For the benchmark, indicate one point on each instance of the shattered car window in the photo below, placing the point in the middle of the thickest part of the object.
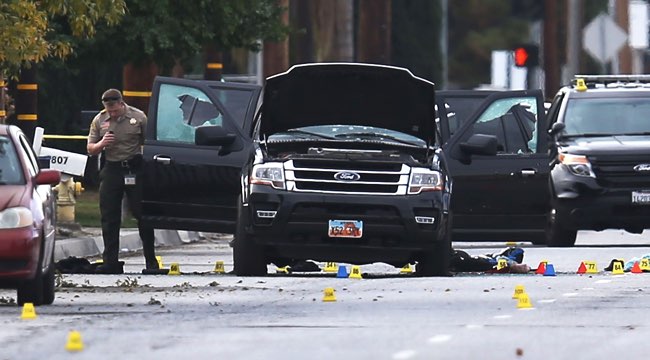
(180, 110)
(11, 172)
(513, 122)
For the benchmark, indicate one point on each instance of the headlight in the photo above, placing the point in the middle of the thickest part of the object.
(16, 217)
(424, 180)
(268, 174)
(577, 164)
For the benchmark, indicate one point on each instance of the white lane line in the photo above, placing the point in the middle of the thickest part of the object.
(570, 294)
(588, 288)
(503, 316)
(440, 339)
(404, 354)
(603, 281)
(475, 326)
(547, 301)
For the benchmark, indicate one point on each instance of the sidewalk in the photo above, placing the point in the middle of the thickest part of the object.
(85, 242)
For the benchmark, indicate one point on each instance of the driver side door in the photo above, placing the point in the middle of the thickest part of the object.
(189, 186)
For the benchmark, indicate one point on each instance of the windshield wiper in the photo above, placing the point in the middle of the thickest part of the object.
(380, 136)
(298, 131)
(634, 133)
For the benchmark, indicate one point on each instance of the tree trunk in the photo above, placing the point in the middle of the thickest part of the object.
(332, 30)
(374, 34)
(276, 54)
(138, 82)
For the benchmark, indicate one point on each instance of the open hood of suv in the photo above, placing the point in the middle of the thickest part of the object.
(349, 94)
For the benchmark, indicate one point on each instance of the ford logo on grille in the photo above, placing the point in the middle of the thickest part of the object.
(347, 176)
(642, 168)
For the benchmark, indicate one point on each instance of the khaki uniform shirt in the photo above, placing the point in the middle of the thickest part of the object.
(129, 133)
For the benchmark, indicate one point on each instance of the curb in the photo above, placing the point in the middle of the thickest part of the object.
(86, 246)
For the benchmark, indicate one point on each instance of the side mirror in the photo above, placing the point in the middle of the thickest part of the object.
(213, 136)
(480, 144)
(44, 161)
(48, 177)
(556, 128)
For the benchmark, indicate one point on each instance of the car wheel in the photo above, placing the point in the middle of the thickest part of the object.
(436, 262)
(248, 257)
(48, 284)
(557, 234)
(31, 291)
(538, 240)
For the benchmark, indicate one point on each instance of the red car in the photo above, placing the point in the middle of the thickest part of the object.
(27, 220)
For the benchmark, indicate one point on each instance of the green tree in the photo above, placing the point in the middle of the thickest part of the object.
(476, 27)
(164, 31)
(35, 30)
(167, 31)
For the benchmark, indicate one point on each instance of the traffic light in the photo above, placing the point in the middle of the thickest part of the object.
(526, 55)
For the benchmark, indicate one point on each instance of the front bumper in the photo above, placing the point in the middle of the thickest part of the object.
(19, 252)
(299, 227)
(582, 204)
(609, 210)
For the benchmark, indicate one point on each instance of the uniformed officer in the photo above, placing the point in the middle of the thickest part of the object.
(118, 131)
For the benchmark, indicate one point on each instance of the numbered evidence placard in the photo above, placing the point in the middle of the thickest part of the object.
(65, 161)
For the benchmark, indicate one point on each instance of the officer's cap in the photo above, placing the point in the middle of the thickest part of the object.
(110, 96)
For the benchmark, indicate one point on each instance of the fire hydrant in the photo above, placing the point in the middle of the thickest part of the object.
(66, 191)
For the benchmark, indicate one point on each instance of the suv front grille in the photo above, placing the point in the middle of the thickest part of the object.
(376, 178)
(618, 171)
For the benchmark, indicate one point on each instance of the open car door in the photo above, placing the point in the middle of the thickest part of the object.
(189, 186)
(454, 108)
(498, 160)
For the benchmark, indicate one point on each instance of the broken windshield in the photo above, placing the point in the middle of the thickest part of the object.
(348, 133)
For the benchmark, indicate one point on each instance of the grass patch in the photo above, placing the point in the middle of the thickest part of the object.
(87, 211)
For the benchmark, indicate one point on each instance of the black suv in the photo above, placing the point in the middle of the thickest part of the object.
(346, 163)
(601, 156)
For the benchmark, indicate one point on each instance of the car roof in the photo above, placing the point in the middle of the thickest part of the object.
(599, 86)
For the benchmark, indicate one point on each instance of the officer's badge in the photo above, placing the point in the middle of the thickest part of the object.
(133, 121)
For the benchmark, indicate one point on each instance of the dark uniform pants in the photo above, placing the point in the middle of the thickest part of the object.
(111, 191)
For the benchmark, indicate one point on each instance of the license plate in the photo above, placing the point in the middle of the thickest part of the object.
(642, 198)
(345, 228)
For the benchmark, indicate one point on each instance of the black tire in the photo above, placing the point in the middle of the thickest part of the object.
(248, 257)
(539, 240)
(558, 234)
(31, 291)
(48, 284)
(436, 262)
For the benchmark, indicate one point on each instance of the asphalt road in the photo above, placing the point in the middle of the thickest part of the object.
(387, 315)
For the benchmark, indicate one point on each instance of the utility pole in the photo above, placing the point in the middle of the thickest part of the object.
(374, 35)
(3, 103)
(622, 17)
(444, 44)
(551, 63)
(27, 100)
(574, 43)
(213, 60)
